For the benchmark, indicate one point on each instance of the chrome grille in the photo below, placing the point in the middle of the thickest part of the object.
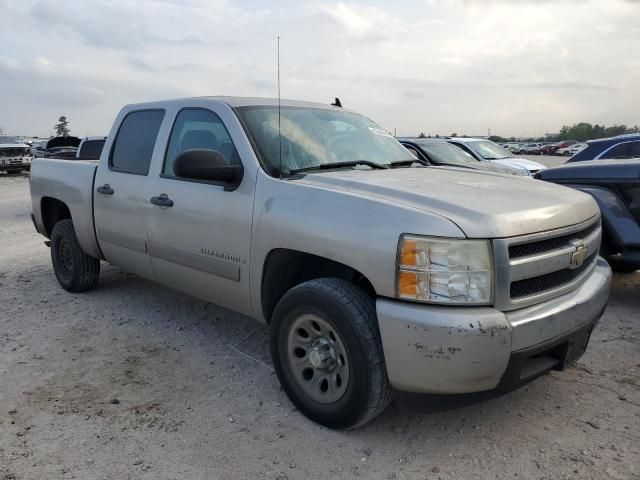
(542, 246)
(531, 286)
(13, 152)
(533, 268)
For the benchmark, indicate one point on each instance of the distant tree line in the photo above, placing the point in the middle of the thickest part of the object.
(585, 131)
(581, 132)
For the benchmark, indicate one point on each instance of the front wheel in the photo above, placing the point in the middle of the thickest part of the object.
(327, 352)
(75, 270)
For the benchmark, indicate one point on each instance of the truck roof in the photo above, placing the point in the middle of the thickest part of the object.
(616, 139)
(243, 102)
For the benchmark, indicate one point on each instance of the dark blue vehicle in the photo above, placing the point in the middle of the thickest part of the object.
(622, 146)
(615, 186)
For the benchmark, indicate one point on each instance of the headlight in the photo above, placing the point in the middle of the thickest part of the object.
(438, 270)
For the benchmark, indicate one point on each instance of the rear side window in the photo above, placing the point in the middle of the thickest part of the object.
(196, 128)
(133, 147)
(91, 149)
(620, 150)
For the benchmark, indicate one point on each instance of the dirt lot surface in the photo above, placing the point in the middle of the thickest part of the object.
(135, 381)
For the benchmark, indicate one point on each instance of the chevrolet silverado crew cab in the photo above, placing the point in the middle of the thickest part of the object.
(374, 272)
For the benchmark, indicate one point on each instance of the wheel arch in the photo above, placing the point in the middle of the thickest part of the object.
(285, 268)
(53, 210)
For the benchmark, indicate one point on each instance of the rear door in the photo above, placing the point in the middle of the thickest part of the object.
(199, 240)
(121, 201)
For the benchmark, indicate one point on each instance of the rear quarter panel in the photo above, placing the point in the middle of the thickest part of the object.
(71, 182)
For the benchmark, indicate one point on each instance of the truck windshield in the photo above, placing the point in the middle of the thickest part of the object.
(489, 150)
(312, 137)
(446, 154)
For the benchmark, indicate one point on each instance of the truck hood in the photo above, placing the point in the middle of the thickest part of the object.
(498, 167)
(594, 171)
(520, 162)
(482, 205)
(13, 145)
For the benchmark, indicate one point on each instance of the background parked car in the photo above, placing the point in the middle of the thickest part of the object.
(564, 151)
(531, 148)
(486, 150)
(615, 186)
(437, 151)
(62, 147)
(578, 147)
(551, 148)
(14, 156)
(513, 147)
(622, 146)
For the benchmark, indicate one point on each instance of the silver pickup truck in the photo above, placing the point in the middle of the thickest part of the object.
(373, 271)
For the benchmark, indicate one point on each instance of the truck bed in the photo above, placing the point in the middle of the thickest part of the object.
(70, 182)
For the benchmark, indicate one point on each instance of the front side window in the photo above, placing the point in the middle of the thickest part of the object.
(635, 150)
(133, 147)
(307, 137)
(198, 129)
(619, 151)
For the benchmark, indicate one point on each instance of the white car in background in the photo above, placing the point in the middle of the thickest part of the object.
(513, 147)
(15, 156)
(486, 150)
(573, 149)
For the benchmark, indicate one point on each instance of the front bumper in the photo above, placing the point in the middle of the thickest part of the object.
(15, 162)
(436, 349)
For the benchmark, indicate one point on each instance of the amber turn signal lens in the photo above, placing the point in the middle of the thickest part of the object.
(408, 252)
(408, 284)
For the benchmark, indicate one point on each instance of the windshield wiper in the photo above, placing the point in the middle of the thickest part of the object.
(405, 163)
(329, 166)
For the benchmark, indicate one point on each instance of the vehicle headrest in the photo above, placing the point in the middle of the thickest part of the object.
(199, 139)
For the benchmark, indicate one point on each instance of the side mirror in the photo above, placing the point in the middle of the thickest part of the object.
(208, 165)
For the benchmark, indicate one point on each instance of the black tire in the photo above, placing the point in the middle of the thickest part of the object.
(75, 270)
(609, 253)
(351, 313)
(620, 267)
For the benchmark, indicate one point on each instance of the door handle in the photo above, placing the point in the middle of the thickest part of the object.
(162, 201)
(105, 189)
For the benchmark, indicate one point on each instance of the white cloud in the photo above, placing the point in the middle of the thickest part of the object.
(432, 66)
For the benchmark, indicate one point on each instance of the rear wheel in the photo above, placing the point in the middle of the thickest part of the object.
(327, 352)
(75, 270)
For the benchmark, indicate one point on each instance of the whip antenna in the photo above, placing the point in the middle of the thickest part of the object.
(279, 134)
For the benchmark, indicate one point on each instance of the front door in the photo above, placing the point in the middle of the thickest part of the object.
(199, 234)
(121, 203)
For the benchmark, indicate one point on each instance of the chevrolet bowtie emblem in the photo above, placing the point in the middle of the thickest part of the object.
(579, 253)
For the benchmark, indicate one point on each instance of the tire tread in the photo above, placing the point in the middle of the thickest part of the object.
(361, 310)
(86, 277)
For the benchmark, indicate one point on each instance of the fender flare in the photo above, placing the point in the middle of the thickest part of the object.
(617, 221)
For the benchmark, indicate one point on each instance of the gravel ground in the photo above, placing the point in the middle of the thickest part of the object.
(134, 381)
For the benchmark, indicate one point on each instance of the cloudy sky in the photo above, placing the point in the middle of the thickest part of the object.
(437, 66)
